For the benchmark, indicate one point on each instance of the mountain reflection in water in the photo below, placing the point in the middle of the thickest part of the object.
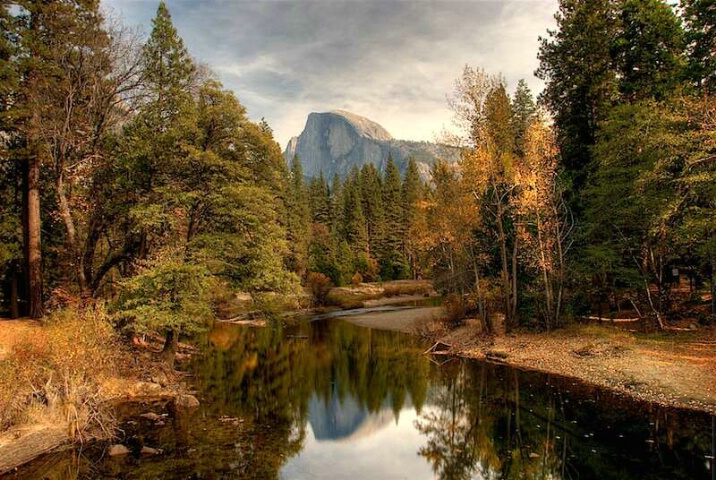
(327, 399)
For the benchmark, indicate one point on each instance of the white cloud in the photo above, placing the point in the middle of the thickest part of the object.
(393, 62)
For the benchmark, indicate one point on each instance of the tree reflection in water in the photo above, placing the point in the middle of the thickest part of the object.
(261, 388)
(488, 421)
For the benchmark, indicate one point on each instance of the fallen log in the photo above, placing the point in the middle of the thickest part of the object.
(614, 320)
(21, 445)
(439, 348)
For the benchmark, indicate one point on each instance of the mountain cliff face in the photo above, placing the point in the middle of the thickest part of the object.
(334, 142)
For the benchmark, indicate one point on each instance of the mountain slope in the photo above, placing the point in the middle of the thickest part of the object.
(335, 142)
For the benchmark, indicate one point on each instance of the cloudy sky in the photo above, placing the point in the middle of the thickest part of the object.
(393, 62)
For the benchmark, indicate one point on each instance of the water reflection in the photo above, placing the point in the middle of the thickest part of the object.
(327, 399)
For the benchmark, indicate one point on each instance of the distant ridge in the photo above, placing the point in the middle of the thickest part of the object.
(336, 141)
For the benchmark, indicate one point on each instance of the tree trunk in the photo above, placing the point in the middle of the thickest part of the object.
(171, 344)
(75, 257)
(513, 306)
(506, 297)
(14, 305)
(33, 248)
(713, 288)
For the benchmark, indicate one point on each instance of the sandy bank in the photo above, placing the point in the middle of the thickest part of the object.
(675, 369)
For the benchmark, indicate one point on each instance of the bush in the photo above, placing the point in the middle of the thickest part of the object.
(318, 286)
(455, 310)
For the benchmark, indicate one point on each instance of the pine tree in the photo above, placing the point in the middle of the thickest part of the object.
(336, 206)
(700, 38)
(523, 112)
(354, 225)
(393, 264)
(372, 201)
(649, 50)
(412, 196)
(298, 220)
(48, 71)
(577, 63)
(319, 200)
(168, 70)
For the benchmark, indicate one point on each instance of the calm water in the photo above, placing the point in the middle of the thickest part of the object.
(329, 400)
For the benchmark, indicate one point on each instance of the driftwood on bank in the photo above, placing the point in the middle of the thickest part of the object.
(614, 320)
(21, 445)
(440, 348)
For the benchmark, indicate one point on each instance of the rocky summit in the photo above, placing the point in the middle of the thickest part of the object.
(335, 142)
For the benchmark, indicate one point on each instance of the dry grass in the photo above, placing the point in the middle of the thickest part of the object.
(53, 374)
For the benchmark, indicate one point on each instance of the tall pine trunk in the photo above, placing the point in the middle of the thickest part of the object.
(33, 245)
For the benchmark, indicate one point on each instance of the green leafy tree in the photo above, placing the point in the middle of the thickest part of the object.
(640, 155)
(169, 294)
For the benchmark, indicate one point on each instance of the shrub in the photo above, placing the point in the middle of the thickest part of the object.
(455, 310)
(53, 373)
(318, 286)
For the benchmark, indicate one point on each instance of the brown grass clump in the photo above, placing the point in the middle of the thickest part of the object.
(53, 374)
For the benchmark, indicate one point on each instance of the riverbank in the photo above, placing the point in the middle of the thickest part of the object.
(675, 369)
(60, 381)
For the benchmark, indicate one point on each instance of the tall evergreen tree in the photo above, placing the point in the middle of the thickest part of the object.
(354, 225)
(523, 112)
(392, 262)
(412, 196)
(298, 220)
(336, 205)
(649, 50)
(53, 109)
(372, 201)
(578, 65)
(319, 200)
(700, 38)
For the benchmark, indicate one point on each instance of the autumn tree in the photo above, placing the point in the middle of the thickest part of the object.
(541, 208)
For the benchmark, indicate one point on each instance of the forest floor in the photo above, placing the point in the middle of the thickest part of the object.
(675, 369)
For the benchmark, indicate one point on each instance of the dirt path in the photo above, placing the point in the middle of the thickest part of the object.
(675, 369)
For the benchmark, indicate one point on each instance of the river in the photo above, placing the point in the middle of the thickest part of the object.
(326, 399)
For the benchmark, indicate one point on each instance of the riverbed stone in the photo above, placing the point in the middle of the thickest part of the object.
(182, 402)
(151, 416)
(117, 450)
(150, 451)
